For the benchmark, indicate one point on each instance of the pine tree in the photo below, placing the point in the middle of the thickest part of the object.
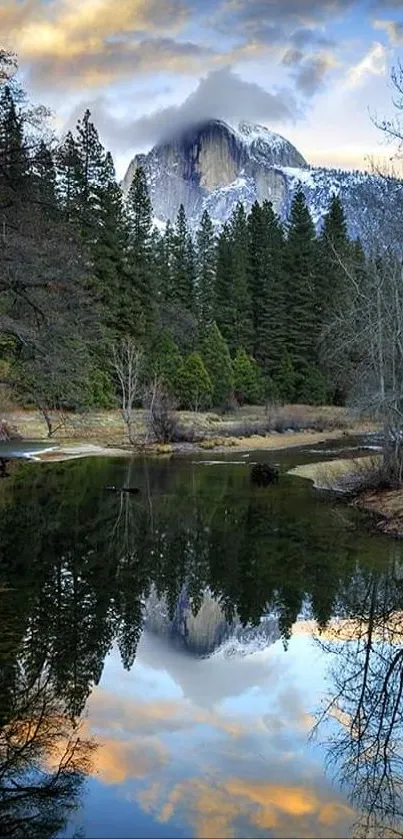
(232, 309)
(166, 363)
(165, 267)
(141, 258)
(196, 386)
(14, 158)
(69, 178)
(302, 319)
(112, 277)
(205, 273)
(248, 381)
(44, 180)
(242, 331)
(285, 380)
(183, 265)
(266, 279)
(91, 155)
(333, 260)
(224, 305)
(217, 360)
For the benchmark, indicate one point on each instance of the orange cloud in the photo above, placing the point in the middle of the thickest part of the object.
(116, 761)
(94, 42)
(214, 809)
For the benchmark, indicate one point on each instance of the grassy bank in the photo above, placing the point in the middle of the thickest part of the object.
(251, 427)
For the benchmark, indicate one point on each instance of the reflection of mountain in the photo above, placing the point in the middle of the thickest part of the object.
(208, 630)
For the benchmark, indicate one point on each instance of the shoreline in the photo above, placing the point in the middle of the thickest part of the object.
(271, 442)
(385, 506)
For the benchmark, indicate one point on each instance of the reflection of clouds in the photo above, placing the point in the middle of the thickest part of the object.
(210, 680)
(216, 810)
(115, 761)
(234, 763)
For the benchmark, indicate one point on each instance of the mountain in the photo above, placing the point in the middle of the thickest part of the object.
(212, 166)
(209, 630)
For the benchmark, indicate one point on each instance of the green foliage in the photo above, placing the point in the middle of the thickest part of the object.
(100, 390)
(311, 386)
(140, 297)
(232, 306)
(206, 270)
(267, 286)
(166, 363)
(286, 380)
(196, 386)
(217, 360)
(249, 386)
(300, 261)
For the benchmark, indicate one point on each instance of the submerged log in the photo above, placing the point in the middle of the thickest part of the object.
(262, 474)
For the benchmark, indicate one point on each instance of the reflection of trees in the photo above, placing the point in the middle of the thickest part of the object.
(43, 761)
(364, 715)
(83, 561)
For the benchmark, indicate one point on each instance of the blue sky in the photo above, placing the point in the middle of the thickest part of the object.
(314, 70)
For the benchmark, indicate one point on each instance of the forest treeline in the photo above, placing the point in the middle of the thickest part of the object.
(221, 317)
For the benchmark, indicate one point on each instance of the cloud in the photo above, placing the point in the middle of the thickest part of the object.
(93, 42)
(218, 809)
(222, 94)
(267, 20)
(311, 72)
(374, 63)
(393, 29)
(292, 56)
(115, 61)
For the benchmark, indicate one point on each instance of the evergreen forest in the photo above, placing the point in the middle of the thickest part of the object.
(221, 317)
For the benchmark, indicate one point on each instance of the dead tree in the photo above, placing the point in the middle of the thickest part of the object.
(127, 363)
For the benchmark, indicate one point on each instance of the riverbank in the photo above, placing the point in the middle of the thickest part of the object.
(243, 430)
(384, 505)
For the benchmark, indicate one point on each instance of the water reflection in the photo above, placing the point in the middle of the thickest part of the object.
(365, 746)
(180, 621)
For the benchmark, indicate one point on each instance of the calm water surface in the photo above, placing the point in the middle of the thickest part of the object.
(206, 658)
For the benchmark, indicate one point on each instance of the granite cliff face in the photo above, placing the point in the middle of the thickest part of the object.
(213, 166)
(210, 164)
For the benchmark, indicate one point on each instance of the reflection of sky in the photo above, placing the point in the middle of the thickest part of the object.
(213, 747)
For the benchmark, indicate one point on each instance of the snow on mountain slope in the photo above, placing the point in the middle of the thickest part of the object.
(213, 166)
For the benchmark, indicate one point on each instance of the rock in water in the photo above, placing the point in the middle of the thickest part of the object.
(264, 475)
(213, 166)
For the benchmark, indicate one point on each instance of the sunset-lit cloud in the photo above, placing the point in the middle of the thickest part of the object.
(268, 61)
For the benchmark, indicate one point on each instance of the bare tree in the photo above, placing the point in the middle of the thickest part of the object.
(127, 362)
(366, 335)
(162, 421)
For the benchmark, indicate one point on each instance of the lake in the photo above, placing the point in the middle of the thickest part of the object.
(203, 658)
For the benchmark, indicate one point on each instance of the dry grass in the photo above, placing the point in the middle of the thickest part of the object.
(107, 428)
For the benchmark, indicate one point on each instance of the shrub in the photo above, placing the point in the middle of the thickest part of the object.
(162, 420)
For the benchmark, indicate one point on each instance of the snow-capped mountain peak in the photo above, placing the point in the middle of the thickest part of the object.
(213, 166)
